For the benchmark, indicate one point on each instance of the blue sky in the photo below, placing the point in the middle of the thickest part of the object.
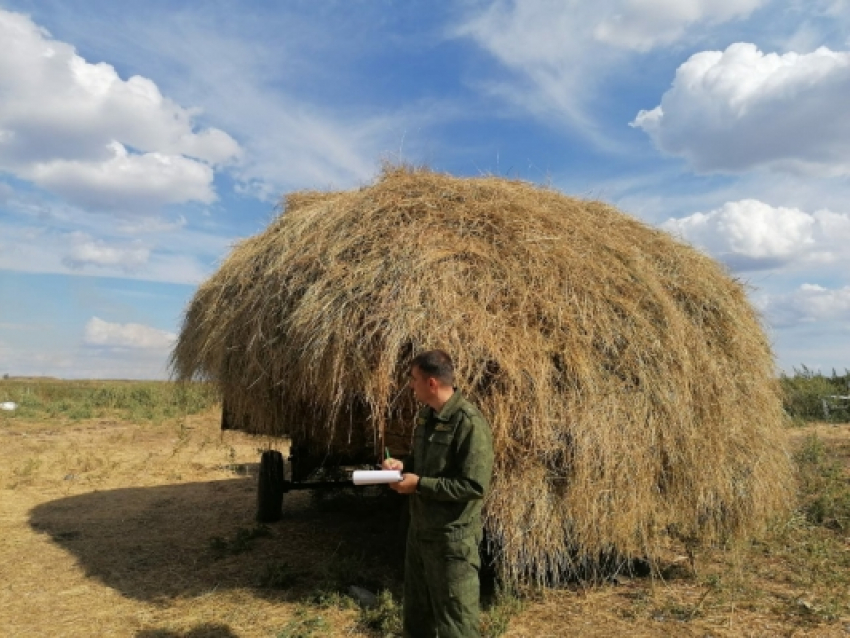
(138, 141)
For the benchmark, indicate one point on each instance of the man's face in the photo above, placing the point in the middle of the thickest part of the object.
(420, 385)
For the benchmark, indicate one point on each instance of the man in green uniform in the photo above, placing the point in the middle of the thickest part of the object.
(446, 478)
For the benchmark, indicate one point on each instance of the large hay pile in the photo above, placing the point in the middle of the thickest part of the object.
(629, 385)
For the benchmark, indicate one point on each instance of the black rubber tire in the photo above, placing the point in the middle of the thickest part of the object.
(270, 487)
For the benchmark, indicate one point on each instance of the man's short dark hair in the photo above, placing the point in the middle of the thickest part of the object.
(437, 364)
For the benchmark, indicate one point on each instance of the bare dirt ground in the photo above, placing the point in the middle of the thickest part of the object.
(114, 528)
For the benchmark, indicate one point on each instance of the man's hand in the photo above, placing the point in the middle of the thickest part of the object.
(392, 464)
(408, 484)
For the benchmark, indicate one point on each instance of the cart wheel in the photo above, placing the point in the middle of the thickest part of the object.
(270, 487)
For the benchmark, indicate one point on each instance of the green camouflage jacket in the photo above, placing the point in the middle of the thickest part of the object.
(453, 456)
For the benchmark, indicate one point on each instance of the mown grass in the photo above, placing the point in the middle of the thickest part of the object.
(824, 485)
(293, 578)
(797, 575)
(808, 553)
(137, 401)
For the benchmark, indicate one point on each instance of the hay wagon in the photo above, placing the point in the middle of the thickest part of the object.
(629, 384)
(307, 468)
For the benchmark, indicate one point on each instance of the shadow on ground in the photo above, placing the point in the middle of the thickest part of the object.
(164, 542)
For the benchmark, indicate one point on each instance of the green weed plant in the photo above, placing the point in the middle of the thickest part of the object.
(305, 625)
(384, 618)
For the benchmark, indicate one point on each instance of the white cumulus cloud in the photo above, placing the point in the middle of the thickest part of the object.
(749, 234)
(79, 130)
(104, 334)
(741, 108)
(126, 181)
(807, 304)
(253, 85)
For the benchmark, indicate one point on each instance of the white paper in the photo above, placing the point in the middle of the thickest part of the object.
(375, 477)
(8, 405)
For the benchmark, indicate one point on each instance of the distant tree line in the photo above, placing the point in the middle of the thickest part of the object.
(814, 396)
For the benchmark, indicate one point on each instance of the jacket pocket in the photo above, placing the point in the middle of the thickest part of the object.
(439, 450)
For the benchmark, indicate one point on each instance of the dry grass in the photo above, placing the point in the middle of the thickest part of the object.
(629, 384)
(109, 528)
(122, 528)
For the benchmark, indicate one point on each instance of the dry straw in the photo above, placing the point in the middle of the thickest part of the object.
(629, 384)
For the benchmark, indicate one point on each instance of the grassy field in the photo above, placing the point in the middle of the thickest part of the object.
(125, 511)
(128, 400)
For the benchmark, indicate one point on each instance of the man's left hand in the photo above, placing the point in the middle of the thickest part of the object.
(407, 485)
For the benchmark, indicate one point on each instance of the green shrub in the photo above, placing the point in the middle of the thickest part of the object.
(804, 394)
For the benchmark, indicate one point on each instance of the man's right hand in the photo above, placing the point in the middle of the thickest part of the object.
(392, 464)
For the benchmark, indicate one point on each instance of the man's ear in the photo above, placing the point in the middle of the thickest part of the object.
(432, 384)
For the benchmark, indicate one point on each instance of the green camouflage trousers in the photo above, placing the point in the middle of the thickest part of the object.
(441, 587)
